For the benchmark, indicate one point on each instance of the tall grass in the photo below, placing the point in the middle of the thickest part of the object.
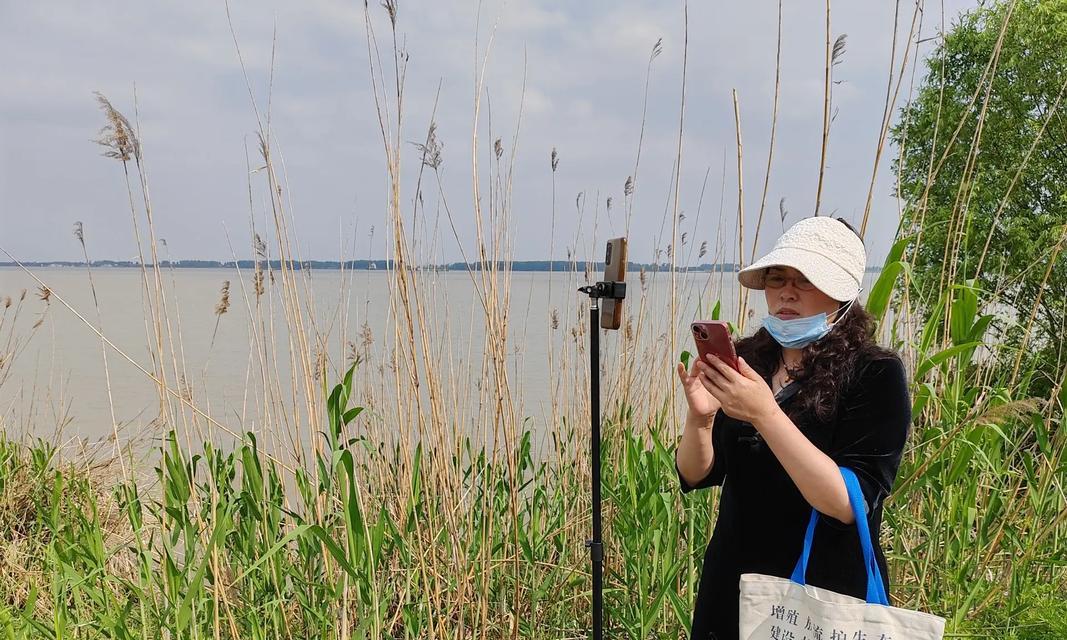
(390, 491)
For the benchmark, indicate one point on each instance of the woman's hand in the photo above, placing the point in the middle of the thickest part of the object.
(743, 395)
(701, 403)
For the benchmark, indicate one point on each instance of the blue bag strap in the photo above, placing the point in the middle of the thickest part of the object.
(875, 588)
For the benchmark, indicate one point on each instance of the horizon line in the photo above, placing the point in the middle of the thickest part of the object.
(383, 264)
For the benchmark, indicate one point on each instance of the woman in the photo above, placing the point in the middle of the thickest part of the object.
(814, 393)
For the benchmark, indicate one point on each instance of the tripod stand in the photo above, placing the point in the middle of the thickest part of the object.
(612, 291)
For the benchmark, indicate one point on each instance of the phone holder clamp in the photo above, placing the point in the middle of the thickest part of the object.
(609, 290)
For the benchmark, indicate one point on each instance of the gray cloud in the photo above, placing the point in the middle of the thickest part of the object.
(584, 66)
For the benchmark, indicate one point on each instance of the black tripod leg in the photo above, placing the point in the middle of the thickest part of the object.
(596, 546)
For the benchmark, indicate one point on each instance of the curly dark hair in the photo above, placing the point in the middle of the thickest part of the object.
(828, 367)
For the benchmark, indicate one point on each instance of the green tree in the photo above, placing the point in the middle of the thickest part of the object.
(972, 127)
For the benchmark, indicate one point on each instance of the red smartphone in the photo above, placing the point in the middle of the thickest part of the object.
(713, 336)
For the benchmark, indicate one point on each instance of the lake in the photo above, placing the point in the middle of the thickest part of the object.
(237, 366)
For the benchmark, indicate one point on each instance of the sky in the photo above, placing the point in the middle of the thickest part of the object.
(568, 76)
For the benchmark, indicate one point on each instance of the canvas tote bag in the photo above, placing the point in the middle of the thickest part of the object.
(774, 608)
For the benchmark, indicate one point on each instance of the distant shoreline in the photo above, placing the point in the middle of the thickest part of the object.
(382, 265)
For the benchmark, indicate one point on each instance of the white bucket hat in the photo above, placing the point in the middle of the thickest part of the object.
(827, 252)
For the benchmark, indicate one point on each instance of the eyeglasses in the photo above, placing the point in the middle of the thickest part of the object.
(777, 281)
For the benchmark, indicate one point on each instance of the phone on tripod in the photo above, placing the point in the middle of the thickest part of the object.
(614, 271)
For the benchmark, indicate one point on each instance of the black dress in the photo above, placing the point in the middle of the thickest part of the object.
(762, 514)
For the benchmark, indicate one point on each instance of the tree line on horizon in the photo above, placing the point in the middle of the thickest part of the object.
(516, 265)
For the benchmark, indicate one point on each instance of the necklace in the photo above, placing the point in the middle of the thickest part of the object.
(786, 378)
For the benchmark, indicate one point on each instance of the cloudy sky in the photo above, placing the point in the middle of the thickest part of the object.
(584, 67)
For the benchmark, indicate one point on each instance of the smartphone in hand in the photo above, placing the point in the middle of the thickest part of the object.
(713, 336)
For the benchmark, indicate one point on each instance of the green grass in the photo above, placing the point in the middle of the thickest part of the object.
(223, 547)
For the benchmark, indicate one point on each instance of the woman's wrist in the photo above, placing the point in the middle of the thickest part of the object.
(768, 419)
(700, 421)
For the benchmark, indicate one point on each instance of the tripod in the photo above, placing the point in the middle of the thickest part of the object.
(613, 291)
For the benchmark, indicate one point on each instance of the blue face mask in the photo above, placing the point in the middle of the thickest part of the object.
(800, 332)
